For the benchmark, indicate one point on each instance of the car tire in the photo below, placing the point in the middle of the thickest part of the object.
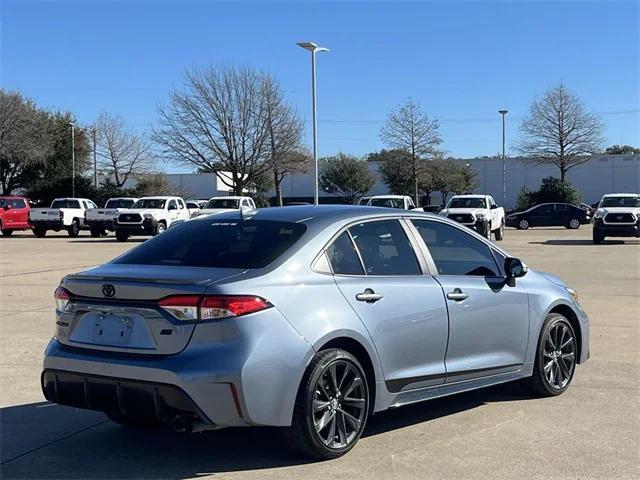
(556, 358)
(39, 232)
(131, 422)
(573, 224)
(324, 424)
(121, 236)
(598, 237)
(6, 232)
(499, 233)
(523, 224)
(160, 227)
(74, 229)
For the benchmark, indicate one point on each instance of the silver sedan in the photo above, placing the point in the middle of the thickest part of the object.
(309, 318)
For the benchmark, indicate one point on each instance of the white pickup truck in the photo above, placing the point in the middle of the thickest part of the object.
(618, 215)
(100, 220)
(391, 201)
(478, 212)
(63, 214)
(225, 204)
(150, 216)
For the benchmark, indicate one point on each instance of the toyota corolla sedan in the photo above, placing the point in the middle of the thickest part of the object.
(310, 318)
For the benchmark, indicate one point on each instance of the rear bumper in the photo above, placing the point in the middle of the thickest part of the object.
(99, 224)
(48, 224)
(234, 372)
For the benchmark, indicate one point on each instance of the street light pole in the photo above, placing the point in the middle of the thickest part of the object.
(73, 160)
(313, 48)
(95, 163)
(504, 164)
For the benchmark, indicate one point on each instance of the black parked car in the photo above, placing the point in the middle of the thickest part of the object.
(549, 215)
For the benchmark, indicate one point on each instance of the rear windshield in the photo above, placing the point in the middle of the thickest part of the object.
(217, 243)
(119, 203)
(467, 202)
(223, 203)
(620, 202)
(149, 203)
(387, 202)
(65, 204)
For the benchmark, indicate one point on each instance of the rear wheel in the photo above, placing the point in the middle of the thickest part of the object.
(121, 236)
(523, 224)
(6, 232)
(331, 407)
(74, 229)
(573, 224)
(598, 236)
(39, 232)
(556, 358)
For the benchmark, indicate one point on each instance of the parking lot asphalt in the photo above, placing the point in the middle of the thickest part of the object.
(591, 431)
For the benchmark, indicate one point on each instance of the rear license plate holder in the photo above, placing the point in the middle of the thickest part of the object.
(110, 329)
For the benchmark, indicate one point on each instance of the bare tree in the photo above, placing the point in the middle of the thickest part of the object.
(559, 131)
(24, 140)
(409, 128)
(217, 123)
(122, 152)
(287, 155)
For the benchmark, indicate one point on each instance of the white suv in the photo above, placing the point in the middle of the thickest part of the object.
(150, 216)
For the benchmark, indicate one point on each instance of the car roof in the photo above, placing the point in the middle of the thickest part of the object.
(122, 198)
(621, 195)
(72, 198)
(471, 195)
(160, 197)
(388, 196)
(228, 197)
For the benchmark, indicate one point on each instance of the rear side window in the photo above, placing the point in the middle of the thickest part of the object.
(343, 257)
(65, 204)
(385, 248)
(217, 243)
(455, 252)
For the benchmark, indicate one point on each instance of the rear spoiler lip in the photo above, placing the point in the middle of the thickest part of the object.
(163, 281)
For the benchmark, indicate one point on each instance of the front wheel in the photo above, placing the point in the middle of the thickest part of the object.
(160, 227)
(573, 224)
(74, 229)
(500, 233)
(331, 407)
(523, 225)
(121, 236)
(598, 236)
(6, 232)
(556, 358)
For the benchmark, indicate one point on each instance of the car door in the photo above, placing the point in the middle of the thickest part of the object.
(542, 216)
(488, 320)
(377, 270)
(20, 213)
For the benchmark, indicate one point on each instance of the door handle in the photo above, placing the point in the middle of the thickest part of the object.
(368, 296)
(457, 295)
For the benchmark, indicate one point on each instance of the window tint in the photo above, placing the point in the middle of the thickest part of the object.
(231, 203)
(151, 203)
(543, 210)
(455, 252)
(18, 203)
(563, 208)
(180, 204)
(219, 243)
(387, 202)
(119, 203)
(172, 205)
(467, 202)
(343, 257)
(385, 249)
(65, 204)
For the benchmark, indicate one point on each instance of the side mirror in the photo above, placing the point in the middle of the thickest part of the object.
(172, 207)
(5, 207)
(514, 268)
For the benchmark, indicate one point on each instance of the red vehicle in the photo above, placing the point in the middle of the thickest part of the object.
(14, 214)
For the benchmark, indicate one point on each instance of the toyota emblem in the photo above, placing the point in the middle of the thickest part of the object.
(108, 290)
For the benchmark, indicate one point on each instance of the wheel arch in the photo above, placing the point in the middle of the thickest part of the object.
(359, 351)
(568, 312)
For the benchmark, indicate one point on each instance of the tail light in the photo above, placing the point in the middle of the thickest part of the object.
(61, 214)
(212, 307)
(62, 297)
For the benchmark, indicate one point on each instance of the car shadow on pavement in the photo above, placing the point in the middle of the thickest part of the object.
(109, 240)
(576, 242)
(43, 440)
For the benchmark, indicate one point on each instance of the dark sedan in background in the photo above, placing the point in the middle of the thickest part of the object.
(549, 215)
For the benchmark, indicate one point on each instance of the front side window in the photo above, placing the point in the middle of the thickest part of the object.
(172, 205)
(219, 243)
(456, 252)
(385, 248)
(343, 257)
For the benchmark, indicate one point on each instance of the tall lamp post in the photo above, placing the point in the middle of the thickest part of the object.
(314, 48)
(73, 160)
(504, 164)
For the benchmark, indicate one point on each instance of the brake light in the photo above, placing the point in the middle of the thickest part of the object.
(211, 307)
(61, 214)
(62, 298)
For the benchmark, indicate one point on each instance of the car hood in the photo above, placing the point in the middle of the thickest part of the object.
(605, 210)
(142, 211)
(552, 278)
(209, 211)
(464, 210)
